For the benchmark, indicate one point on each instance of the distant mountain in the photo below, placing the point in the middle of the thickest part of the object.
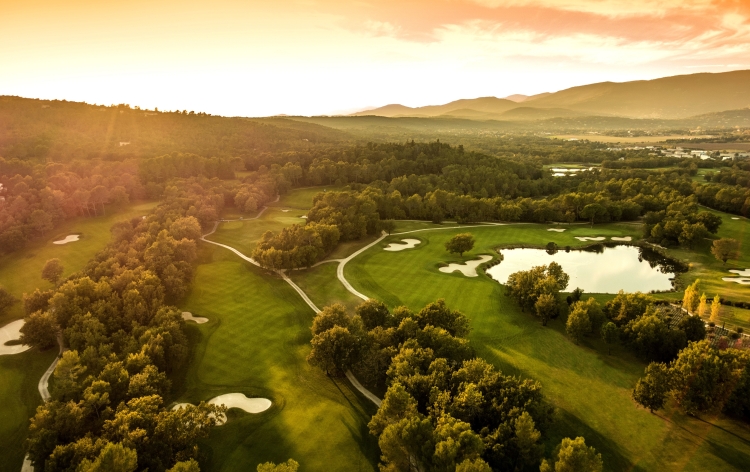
(487, 105)
(676, 97)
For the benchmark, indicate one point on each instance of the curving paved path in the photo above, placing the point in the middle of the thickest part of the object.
(342, 264)
(349, 375)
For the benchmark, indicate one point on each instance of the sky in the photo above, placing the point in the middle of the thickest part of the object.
(308, 57)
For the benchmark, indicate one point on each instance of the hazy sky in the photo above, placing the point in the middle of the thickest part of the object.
(258, 57)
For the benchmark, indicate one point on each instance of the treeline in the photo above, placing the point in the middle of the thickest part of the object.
(124, 340)
(34, 199)
(444, 408)
(62, 131)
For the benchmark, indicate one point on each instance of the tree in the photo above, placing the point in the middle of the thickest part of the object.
(715, 309)
(40, 330)
(702, 306)
(578, 324)
(610, 335)
(334, 350)
(593, 211)
(693, 327)
(725, 248)
(6, 301)
(691, 299)
(574, 456)
(527, 439)
(52, 270)
(476, 465)
(651, 390)
(546, 307)
(289, 466)
(388, 226)
(112, 458)
(460, 243)
(373, 313)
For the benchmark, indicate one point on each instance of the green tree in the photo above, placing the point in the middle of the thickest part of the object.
(328, 317)
(52, 270)
(593, 211)
(726, 248)
(527, 440)
(573, 456)
(476, 465)
(610, 335)
(546, 307)
(112, 458)
(289, 466)
(693, 327)
(578, 324)
(460, 243)
(388, 226)
(691, 299)
(40, 330)
(6, 301)
(334, 350)
(373, 313)
(651, 390)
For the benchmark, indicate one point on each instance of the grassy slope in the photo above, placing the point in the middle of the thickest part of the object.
(302, 198)
(243, 235)
(19, 397)
(20, 271)
(590, 388)
(256, 343)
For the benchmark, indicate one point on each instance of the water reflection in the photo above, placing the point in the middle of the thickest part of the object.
(598, 268)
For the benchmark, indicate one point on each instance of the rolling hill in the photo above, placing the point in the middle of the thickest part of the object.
(675, 97)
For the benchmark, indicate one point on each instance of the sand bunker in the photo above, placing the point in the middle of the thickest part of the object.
(407, 244)
(187, 316)
(469, 269)
(626, 238)
(303, 216)
(556, 230)
(285, 211)
(12, 332)
(235, 400)
(743, 279)
(735, 218)
(586, 238)
(68, 239)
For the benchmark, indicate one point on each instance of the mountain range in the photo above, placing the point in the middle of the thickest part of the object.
(675, 97)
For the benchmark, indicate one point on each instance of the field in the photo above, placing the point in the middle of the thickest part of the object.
(19, 398)
(590, 388)
(625, 140)
(20, 271)
(302, 198)
(256, 342)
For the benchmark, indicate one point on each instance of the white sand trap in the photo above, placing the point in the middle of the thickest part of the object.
(187, 316)
(735, 218)
(407, 244)
(285, 211)
(12, 332)
(303, 216)
(626, 238)
(556, 230)
(741, 273)
(68, 239)
(586, 238)
(235, 400)
(737, 280)
(469, 269)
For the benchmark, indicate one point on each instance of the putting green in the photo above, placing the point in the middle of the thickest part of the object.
(590, 389)
(256, 343)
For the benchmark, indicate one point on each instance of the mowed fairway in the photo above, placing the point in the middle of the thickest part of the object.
(20, 271)
(243, 235)
(19, 397)
(590, 389)
(256, 343)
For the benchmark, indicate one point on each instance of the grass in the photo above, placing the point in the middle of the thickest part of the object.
(243, 235)
(256, 342)
(590, 389)
(302, 198)
(20, 271)
(322, 286)
(19, 397)
(704, 266)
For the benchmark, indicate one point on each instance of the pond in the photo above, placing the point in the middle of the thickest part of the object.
(599, 269)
